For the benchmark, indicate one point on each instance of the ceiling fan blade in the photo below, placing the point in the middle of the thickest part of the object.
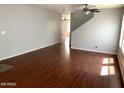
(94, 9)
(86, 4)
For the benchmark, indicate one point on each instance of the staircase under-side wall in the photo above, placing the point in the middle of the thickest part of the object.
(79, 17)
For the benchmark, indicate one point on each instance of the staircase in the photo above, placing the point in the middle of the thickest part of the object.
(79, 18)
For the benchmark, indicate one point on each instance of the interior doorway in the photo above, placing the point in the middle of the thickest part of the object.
(66, 29)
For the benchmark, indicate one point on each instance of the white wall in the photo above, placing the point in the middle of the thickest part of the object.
(27, 28)
(101, 31)
(120, 54)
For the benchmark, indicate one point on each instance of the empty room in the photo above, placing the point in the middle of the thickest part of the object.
(61, 45)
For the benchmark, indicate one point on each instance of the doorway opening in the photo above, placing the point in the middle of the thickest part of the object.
(66, 29)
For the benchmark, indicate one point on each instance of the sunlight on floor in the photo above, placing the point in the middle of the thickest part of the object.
(108, 67)
(105, 61)
(112, 70)
(104, 70)
(111, 60)
(108, 60)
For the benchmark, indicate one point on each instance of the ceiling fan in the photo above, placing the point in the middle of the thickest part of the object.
(87, 9)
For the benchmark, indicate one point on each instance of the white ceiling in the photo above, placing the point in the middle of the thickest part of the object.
(62, 8)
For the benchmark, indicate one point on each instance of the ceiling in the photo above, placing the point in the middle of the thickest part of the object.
(62, 8)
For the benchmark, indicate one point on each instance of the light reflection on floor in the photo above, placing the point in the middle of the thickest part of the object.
(66, 45)
(66, 52)
(108, 67)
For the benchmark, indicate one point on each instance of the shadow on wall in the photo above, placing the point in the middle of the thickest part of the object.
(78, 18)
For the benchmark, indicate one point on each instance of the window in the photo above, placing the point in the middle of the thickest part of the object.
(121, 43)
(122, 33)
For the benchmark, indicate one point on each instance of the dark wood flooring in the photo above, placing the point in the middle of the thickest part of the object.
(54, 66)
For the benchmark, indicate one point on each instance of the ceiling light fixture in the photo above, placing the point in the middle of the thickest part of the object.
(87, 12)
(64, 19)
(3, 32)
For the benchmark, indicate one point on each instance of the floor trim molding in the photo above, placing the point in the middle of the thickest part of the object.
(28, 51)
(93, 50)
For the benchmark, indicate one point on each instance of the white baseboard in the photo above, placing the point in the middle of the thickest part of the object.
(93, 50)
(27, 51)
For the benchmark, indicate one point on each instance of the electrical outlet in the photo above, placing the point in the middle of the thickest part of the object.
(96, 46)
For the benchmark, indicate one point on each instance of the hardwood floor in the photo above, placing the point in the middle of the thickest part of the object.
(56, 66)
